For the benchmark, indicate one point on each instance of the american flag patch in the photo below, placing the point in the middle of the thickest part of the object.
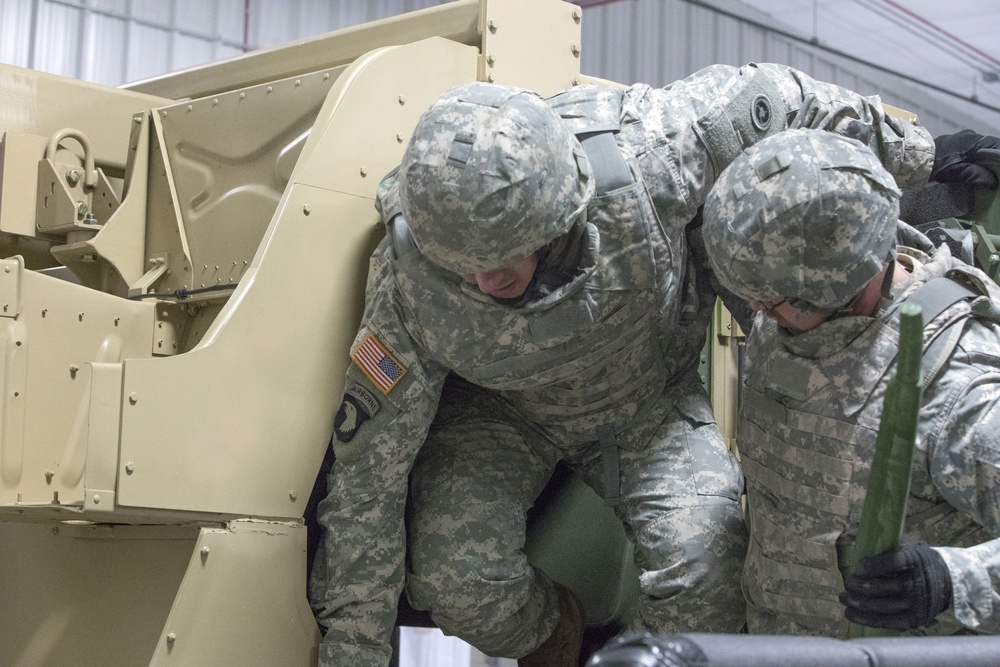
(380, 366)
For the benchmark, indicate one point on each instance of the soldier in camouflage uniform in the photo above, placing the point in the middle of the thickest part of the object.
(804, 226)
(538, 297)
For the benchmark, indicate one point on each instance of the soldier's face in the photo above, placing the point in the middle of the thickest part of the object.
(788, 316)
(508, 282)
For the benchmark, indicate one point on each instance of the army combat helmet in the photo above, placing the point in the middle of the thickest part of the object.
(805, 216)
(491, 174)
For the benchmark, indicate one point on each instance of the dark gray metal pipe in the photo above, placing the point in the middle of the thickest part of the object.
(719, 650)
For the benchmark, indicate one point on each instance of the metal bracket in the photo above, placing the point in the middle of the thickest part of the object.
(158, 266)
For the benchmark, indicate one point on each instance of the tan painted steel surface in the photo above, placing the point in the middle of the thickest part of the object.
(182, 264)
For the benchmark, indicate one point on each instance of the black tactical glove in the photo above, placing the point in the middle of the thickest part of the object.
(900, 590)
(968, 158)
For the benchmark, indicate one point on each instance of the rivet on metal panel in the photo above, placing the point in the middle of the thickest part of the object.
(117, 319)
(575, 49)
(269, 89)
(190, 108)
(490, 78)
(298, 82)
(80, 315)
(491, 59)
(243, 96)
(97, 498)
(402, 99)
(399, 137)
(364, 171)
(215, 102)
(492, 25)
(293, 495)
(6, 269)
(49, 474)
(326, 76)
(44, 311)
(163, 113)
(136, 119)
(577, 14)
(306, 209)
(171, 638)
(129, 468)
(133, 398)
(205, 551)
(73, 369)
(576, 82)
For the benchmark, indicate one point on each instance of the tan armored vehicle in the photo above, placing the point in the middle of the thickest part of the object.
(182, 266)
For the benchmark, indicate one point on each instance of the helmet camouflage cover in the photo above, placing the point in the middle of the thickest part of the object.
(806, 216)
(491, 174)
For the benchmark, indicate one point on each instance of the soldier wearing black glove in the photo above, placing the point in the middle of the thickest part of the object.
(968, 158)
(900, 590)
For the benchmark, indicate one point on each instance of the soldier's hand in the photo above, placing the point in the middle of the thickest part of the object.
(838, 116)
(968, 158)
(900, 590)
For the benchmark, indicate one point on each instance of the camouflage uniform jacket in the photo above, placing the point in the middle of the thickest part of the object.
(807, 434)
(604, 347)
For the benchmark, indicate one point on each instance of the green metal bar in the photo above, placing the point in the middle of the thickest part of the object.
(884, 510)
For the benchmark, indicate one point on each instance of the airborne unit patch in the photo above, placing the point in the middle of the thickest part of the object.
(358, 407)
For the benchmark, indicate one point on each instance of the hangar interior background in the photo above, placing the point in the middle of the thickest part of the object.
(939, 60)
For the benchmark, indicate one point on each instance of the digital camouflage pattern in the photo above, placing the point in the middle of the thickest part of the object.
(807, 435)
(502, 162)
(812, 401)
(606, 341)
(804, 216)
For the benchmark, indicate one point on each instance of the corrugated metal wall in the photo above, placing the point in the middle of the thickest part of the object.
(654, 41)
(659, 41)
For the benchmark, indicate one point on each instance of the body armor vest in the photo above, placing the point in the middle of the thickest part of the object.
(807, 435)
(588, 355)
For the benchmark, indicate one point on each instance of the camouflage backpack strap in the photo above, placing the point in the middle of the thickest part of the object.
(593, 114)
(606, 161)
(934, 297)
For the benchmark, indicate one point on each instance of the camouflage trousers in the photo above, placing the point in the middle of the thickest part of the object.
(480, 471)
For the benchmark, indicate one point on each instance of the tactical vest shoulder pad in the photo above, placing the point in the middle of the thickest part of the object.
(387, 201)
(388, 204)
(593, 114)
(587, 109)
